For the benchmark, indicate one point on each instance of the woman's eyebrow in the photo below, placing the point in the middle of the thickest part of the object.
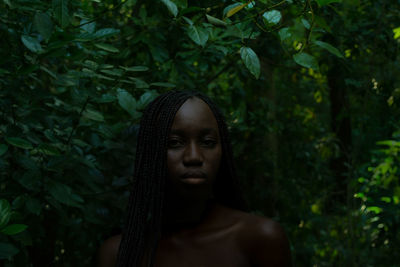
(202, 131)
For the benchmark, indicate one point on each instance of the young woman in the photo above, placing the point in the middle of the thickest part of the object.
(185, 208)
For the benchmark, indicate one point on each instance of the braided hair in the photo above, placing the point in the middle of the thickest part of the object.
(143, 228)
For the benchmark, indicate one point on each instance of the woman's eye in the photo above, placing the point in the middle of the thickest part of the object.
(209, 142)
(174, 143)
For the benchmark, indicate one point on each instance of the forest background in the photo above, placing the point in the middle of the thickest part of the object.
(310, 90)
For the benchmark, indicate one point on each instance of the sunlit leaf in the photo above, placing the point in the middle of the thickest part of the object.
(250, 60)
(233, 9)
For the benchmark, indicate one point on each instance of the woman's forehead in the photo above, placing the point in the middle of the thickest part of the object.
(194, 112)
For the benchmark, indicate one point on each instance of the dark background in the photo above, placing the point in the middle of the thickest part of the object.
(310, 90)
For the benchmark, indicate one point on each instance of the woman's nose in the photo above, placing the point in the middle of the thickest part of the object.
(192, 155)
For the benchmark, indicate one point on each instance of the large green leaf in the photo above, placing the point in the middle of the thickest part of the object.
(172, 8)
(198, 34)
(64, 194)
(127, 102)
(5, 212)
(106, 32)
(284, 33)
(43, 24)
(13, 229)
(250, 60)
(31, 43)
(147, 97)
(60, 10)
(92, 114)
(19, 142)
(233, 9)
(107, 47)
(215, 21)
(329, 48)
(306, 60)
(326, 2)
(272, 16)
(135, 68)
(7, 251)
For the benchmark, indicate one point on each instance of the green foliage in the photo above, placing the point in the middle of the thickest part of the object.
(76, 75)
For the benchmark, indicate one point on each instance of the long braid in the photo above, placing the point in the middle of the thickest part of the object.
(143, 228)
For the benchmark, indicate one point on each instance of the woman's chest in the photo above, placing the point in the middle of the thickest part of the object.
(206, 251)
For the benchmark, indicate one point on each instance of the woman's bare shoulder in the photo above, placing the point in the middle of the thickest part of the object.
(262, 239)
(108, 252)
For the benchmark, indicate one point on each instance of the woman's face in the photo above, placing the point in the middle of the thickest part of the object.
(194, 150)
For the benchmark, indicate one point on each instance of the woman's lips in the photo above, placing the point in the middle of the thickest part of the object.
(194, 178)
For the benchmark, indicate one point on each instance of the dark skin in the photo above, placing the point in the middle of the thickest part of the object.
(198, 232)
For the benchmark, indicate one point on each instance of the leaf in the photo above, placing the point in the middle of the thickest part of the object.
(135, 68)
(272, 16)
(329, 48)
(146, 98)
(63, 194)
(7, 251)
(92, 114)
(172, 8)
(233, 9)
(326, 2)
(13, 229)
(19, 142)
(48, 150)
(306, 24)
(127, 102)
(107, 47)
(3, 149)
(34, 206)
(43, 24)
(284, 33)
(60, 10)
(5, 212)
(306, 60)
(30, 180)
(106, 32)
(31, 43)
(215, 21)
(161, 84)
(198, 35)
(396, 32)
(250, 60)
